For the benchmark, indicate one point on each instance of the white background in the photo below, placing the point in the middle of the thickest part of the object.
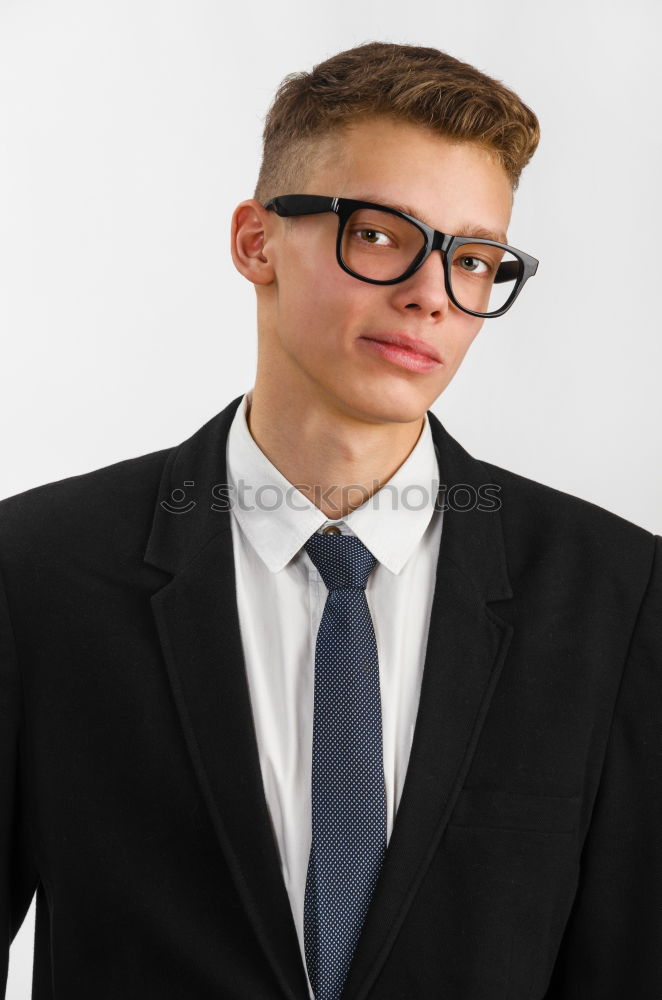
(130, 129)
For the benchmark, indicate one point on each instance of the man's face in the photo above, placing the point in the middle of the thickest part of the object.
(316, 320)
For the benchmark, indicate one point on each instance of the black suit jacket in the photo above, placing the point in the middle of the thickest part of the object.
(525, 858)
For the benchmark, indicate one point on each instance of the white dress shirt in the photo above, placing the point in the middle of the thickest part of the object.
(280, 601)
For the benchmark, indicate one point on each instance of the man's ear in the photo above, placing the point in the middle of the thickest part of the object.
(251, 227)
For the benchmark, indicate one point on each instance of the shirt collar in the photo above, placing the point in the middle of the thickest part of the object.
(278, 519)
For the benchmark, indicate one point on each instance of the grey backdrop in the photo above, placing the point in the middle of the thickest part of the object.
(130, 129)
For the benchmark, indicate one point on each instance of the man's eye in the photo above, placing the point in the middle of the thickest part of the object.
(473, 265)
(372, 236)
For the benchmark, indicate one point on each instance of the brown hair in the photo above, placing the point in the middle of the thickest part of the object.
(409, 83)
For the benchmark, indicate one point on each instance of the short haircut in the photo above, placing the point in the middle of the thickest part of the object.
(409, 83)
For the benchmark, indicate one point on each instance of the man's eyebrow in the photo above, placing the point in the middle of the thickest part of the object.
(464, 229)
(479, 232)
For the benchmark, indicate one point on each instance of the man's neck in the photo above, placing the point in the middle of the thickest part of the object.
(336, 461)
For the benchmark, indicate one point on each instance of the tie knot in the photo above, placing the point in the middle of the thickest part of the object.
(342, 560)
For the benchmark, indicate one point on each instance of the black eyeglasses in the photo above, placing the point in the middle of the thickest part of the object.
(384, 246)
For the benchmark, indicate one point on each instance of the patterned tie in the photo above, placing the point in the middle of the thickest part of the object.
(348, 793)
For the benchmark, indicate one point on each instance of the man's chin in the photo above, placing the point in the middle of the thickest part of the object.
(399, 406)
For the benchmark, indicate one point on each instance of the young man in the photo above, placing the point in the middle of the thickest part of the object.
(315, 703)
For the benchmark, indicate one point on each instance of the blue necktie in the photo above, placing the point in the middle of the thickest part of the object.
(348, 793)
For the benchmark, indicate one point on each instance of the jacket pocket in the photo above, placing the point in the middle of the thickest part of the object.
(504, 810)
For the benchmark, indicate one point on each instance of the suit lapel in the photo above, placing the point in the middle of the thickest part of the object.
(198, 627)
(467, 644)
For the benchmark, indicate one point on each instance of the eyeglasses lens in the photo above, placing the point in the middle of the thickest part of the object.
(382, 246)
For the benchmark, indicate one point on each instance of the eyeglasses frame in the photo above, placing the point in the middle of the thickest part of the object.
(312, 204)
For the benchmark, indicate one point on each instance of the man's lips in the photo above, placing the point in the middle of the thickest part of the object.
(419, 347)
(403, 357)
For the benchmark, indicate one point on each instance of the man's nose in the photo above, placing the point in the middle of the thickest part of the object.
(425, 289)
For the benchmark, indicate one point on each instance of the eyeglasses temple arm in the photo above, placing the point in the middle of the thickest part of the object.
(508, 271)
(300, 204)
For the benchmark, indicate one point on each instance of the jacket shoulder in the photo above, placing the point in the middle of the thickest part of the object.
(107, 503)
(544, 523)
